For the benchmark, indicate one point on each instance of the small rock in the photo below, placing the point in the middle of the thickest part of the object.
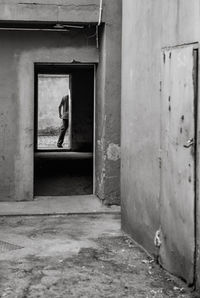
(176, 289)
(49, 280)
(145, 261)
(51, 272)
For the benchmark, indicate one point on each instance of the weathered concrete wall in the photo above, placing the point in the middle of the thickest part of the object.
(148, 26)
(108, 106)
(86, 11)
(20, 50)
(18, 53)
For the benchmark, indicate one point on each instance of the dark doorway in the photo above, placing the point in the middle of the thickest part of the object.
(67, 170)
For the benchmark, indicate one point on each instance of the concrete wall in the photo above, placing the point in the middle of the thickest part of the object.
(18, 53)
(86, 11)
(70, 11)
(17, 56)
(148, 26)
(108, 105)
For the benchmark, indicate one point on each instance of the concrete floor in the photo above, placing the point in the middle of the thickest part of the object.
(77, 256)
(57, 205)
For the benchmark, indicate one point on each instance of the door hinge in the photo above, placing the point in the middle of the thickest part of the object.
(160, 86)
(160, 162)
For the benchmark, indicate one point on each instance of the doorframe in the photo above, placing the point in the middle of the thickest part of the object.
(94, 129)
(35, 110)
(197, 165)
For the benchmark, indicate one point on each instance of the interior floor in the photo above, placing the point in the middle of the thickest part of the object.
(63, 174)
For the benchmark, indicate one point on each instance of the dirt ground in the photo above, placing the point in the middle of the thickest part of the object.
(50, 142)
(78, 256)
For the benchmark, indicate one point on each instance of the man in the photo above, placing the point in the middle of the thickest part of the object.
(63, 111)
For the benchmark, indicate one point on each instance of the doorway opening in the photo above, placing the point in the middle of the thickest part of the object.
(63, 153)
(51, 88)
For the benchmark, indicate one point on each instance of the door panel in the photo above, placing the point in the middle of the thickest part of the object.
(178, 163)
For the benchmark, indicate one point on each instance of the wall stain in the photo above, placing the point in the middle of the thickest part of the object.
(113, 152)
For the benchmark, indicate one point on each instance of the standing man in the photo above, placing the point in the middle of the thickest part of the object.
(63, 111)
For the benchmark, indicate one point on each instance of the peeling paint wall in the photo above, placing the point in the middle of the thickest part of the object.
(148, 26)
(113, 152)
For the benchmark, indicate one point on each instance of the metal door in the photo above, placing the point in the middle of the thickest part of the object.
(178, 160)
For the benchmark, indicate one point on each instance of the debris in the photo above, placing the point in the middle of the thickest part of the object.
(157, 240)
(145, 261)
(176, 288)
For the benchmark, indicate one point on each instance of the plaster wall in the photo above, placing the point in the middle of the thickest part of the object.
(108, 114)
(148, 26)
(50, 11)
(18, 54)
(68, 11)
(20, 50)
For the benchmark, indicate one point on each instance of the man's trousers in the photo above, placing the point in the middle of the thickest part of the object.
(63, 129)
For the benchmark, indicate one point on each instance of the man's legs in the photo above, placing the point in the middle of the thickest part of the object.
(63, 130)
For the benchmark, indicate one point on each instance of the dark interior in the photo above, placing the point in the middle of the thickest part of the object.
(68, 172)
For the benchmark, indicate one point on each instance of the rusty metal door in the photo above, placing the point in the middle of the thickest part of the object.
(178, 160)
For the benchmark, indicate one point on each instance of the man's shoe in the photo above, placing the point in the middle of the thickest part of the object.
(59, 146)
